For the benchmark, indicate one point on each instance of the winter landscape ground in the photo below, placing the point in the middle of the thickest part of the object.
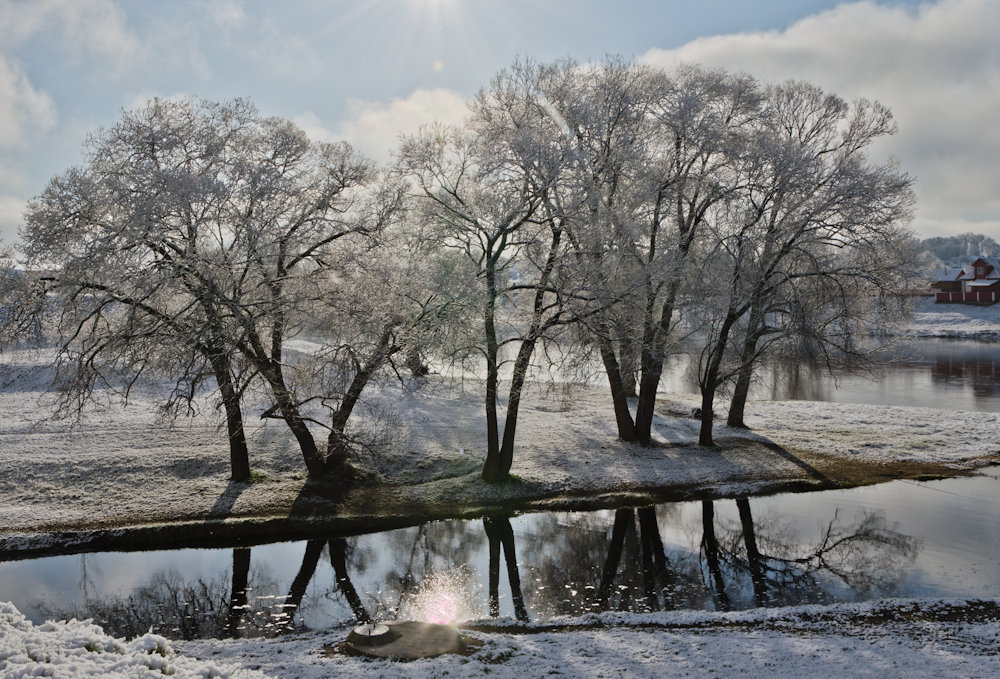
(66, 484)
(955, 320)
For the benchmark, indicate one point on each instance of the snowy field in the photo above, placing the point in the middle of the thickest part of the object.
(954, 320)
(887, 639)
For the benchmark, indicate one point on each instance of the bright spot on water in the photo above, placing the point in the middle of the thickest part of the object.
(443, 598)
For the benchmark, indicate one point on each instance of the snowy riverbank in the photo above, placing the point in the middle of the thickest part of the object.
(883, 639)
(954, 320)
(117, 469)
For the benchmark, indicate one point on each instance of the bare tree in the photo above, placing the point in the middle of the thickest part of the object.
(21, 301)
(199, 232)
(809, 247)
(650, 153)
(486, 190)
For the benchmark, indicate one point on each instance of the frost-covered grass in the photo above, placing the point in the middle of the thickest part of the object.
(954, 320)
(883, 639)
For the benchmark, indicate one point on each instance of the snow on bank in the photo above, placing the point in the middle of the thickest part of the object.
(882, 639)
(71, 649)
(954, 320)
(877, 434)
(126, 467)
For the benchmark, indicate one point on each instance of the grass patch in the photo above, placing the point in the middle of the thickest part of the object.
(848, 472)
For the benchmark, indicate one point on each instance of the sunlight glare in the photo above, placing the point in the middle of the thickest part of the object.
(443, 598)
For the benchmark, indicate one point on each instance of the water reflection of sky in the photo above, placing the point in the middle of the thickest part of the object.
(930, 373)
(419, 572)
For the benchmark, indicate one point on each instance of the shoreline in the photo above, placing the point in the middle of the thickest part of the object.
(953, 321)
(115, 484)
(253, 530)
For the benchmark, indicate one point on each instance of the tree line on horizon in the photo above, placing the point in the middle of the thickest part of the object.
(614, 209)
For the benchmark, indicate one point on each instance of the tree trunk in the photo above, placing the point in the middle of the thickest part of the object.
(337, 445)
(315, 465)
(492, 468)
(506, 458)
(741, 390)
(619, 391)
(649, 381)
(239, 457)
(707, 418)
(654, 336)
(710, 544)
(709, 380)
(629, 363)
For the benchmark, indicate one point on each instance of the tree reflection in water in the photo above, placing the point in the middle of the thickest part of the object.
(846, 561)
(499, 532)
(248, 605)
(587, 567)
(578, 563)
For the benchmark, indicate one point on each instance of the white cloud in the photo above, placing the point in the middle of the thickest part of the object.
(96, 27)
(227, 14)
(937, 67)
(375, 127)
(24, 111)
(11, 213)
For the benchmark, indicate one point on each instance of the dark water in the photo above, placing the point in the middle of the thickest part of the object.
(937, 539)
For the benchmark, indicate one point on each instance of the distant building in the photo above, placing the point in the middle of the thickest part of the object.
(978, 283)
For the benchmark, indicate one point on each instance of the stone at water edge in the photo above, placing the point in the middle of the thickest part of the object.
(407, 641)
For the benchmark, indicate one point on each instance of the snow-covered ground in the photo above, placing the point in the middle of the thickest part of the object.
(954, 320)
(118, 468)
(885, 639)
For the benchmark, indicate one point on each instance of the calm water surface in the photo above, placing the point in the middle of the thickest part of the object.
(903, 538)
(931, 373)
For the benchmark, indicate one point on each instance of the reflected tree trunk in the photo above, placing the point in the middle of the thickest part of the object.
(338, 559)
(286, 619)
(655, 563)
(754, 558)
(499, 533)
(238, 595)
(711, 546)
(624, 520)
(494, 584)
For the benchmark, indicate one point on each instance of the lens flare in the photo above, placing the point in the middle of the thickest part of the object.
(443, 598)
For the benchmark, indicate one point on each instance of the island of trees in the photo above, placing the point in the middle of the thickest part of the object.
(610, 210)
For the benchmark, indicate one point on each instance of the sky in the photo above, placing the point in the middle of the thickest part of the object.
(366, 71)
